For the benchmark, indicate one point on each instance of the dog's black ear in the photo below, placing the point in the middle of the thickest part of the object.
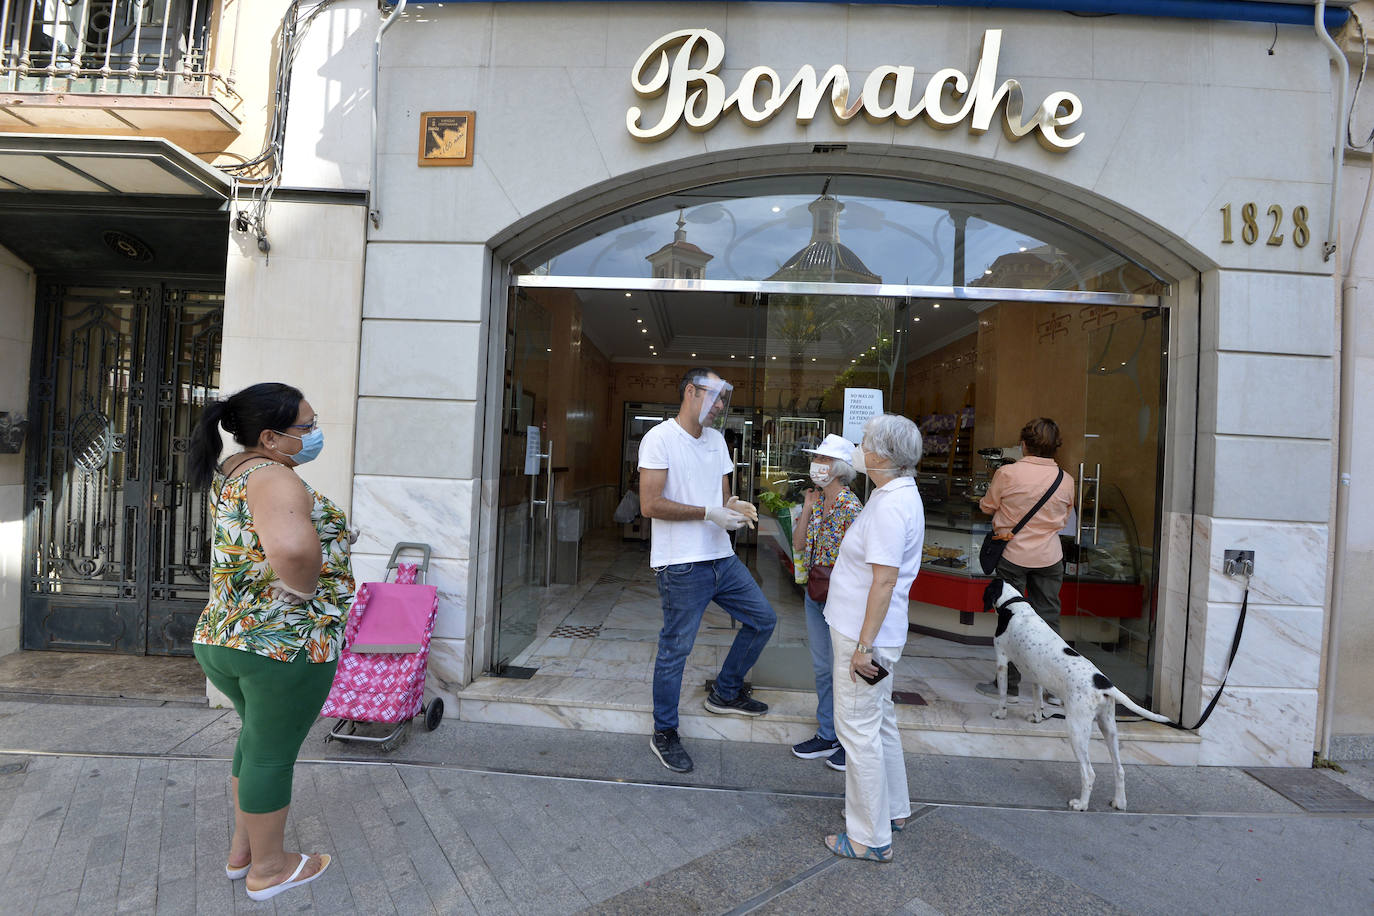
(992, 593)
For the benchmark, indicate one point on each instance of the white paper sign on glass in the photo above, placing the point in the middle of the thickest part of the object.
(531, 450)
(859, 405)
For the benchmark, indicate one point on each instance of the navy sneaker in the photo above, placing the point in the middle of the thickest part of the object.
(741, 705)
(668, 748)
(815, 747)
(836, 760)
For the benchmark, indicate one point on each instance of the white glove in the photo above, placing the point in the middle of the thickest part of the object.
(748, 510)
(728, 519)
(285, 593)
(353, 534)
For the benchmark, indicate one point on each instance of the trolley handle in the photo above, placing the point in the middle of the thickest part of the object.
(422, 568)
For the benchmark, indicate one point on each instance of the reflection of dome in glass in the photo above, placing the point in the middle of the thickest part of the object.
(825, 259)
(679, 259)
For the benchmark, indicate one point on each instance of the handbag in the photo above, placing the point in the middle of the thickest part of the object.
(818, 583)
(817, 579)
(990, 554)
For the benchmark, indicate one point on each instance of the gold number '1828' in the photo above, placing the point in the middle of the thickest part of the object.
(1250, 230)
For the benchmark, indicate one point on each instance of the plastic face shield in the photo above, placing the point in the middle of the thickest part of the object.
(715, 400)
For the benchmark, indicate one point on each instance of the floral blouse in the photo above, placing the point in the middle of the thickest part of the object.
(825, 531)
(242, 613)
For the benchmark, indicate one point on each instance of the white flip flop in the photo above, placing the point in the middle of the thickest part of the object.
(267, 893)
(236, 873)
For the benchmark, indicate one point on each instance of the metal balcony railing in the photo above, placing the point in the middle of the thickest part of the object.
(142, 47)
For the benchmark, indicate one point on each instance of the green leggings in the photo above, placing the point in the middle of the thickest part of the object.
(277, 703)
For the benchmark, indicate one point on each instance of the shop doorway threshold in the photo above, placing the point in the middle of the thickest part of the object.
(944, 725)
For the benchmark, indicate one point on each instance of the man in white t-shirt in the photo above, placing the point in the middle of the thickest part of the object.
(684, 486)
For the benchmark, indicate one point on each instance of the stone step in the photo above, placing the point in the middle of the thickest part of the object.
(945, 727)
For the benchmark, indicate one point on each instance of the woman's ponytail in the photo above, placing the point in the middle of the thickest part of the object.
(203, 453)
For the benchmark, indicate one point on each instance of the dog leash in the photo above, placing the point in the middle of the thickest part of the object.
(1235, 646)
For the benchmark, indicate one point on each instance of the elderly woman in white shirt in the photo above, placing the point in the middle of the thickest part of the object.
(867, 613)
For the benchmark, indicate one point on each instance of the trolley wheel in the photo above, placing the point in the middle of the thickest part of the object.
(434, 713)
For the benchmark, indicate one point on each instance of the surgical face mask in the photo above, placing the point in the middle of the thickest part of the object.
(821, 474)
(715, 400)
(312, 443)
(857, 459)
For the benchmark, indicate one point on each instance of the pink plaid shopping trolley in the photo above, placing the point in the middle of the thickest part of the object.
(381, 674)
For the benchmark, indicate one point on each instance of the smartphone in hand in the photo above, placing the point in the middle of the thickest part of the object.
(882, 673)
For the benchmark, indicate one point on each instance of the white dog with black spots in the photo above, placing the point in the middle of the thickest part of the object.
(1047, 662)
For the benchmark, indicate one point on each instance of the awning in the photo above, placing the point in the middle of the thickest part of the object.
(1289, 12)
(137, 166)
(72, 205)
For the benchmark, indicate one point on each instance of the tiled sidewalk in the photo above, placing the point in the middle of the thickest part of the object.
(103, 835)
(110, 808)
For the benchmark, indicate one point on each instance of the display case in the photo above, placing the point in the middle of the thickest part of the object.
(1103, 579)
(953, 550)
(1112, 555)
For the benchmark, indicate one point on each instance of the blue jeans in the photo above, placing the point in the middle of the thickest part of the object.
(818, 637)
(686, 589)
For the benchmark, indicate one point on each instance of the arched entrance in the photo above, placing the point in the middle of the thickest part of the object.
(965, 311)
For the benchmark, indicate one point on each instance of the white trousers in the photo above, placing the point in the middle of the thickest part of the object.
(875, 790)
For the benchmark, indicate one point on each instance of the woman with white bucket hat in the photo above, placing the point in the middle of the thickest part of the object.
(827, 512)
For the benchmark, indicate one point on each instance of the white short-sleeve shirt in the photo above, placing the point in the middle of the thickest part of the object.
(695, 466)
(890, 531)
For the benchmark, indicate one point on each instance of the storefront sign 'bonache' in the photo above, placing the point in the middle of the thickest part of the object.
(693, 93)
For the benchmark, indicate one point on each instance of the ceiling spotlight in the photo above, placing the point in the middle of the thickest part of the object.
(937, 305)
(917, 318)
(732, 356)
(1121, 364)
(550, 350)
(694, 356)
(644, 330)
(853, 360)
(813, 359)
(627, 295)
(639, 321)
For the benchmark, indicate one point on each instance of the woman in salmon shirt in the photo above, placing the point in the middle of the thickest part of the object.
(1033, 563)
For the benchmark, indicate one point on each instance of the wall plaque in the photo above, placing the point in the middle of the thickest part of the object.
(446, 137)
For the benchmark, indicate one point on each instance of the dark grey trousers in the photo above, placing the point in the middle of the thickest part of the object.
(1041, 588)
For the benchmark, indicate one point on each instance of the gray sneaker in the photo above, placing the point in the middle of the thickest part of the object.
(989, 689)
(667, 747)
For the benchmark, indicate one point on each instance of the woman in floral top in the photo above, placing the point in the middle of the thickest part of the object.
(269, 639)
(826, 515)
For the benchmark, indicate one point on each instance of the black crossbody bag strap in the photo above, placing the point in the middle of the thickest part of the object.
(1058, 478)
